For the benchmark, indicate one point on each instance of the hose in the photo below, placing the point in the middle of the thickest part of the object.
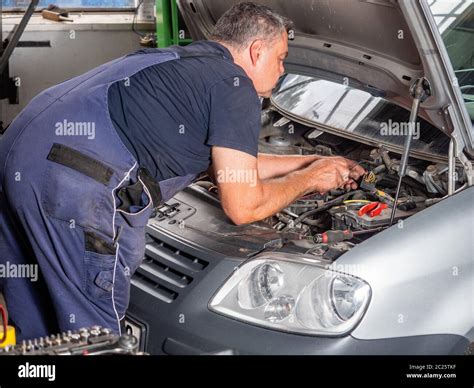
(327, 205)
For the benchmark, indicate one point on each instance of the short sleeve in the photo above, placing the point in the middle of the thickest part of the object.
(235, 111)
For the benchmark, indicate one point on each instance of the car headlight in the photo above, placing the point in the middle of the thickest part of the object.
(293, 293)
(260, 286)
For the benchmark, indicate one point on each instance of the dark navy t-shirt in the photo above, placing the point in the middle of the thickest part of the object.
(169, 115)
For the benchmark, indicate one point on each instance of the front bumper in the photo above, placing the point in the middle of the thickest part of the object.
(169, 300)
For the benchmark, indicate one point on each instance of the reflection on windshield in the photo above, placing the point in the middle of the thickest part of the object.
(348, 109)
(455, 21)
(445, 12)
(329, 103)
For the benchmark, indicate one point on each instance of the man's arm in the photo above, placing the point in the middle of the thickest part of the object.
(272, 166)
(246, 198)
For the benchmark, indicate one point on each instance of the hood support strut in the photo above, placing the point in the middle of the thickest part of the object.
(420, 91)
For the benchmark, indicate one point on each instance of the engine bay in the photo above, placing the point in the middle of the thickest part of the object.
(339, 218)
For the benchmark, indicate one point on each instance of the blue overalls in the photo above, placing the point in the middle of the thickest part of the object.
(74, 202)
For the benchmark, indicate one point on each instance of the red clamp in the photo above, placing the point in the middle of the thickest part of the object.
(372, 209)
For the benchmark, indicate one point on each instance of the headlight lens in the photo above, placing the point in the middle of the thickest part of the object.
(293, 293)
(347, 295)
(260, 286)
(279, 308)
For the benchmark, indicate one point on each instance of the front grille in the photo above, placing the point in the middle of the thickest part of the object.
(166, 271)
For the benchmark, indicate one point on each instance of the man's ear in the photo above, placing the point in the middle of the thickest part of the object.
(255, 50)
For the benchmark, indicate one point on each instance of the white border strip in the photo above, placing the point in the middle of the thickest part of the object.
(118, 245)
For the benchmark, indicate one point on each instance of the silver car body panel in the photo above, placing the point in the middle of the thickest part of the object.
(421, 273)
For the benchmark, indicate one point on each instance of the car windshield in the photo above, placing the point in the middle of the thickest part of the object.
(352, 110)
(455, 21)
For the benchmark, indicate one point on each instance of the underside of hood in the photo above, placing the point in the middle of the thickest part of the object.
(373, 33)
(384, 44)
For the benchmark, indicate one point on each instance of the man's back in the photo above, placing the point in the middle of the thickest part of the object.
(170, 114)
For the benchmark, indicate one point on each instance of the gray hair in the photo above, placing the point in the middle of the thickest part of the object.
(247, 21)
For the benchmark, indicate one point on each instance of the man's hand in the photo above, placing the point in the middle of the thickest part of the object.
(356, 172)
(336, 172)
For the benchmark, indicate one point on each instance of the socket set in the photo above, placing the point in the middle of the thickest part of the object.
(95, 340)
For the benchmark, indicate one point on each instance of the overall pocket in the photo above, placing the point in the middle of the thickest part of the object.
(135, 204)
(75, 187)
(99, 265)
(135, 208)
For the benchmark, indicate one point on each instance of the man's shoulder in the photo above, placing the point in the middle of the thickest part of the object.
(202, 65)
(213, 58)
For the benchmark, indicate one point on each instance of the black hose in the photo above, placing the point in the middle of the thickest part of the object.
(392, 182)
(327, 205)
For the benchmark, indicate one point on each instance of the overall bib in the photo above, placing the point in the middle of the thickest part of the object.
(74, 204)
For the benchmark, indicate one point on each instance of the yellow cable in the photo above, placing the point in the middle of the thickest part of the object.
(11, 337)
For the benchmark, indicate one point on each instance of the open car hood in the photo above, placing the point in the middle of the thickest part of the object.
(383, 44)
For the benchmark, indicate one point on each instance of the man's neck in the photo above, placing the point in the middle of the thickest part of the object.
(238, 58)
(236, 55)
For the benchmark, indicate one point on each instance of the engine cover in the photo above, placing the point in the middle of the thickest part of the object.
(345, 218)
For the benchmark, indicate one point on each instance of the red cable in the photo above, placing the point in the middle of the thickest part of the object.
(4, 324)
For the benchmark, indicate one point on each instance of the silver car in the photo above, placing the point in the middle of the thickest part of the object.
(324, 276)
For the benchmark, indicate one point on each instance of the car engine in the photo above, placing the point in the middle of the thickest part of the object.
(307, 218)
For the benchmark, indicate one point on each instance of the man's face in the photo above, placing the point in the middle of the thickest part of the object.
(265, 66)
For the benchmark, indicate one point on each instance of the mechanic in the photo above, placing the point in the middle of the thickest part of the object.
(84, 165)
